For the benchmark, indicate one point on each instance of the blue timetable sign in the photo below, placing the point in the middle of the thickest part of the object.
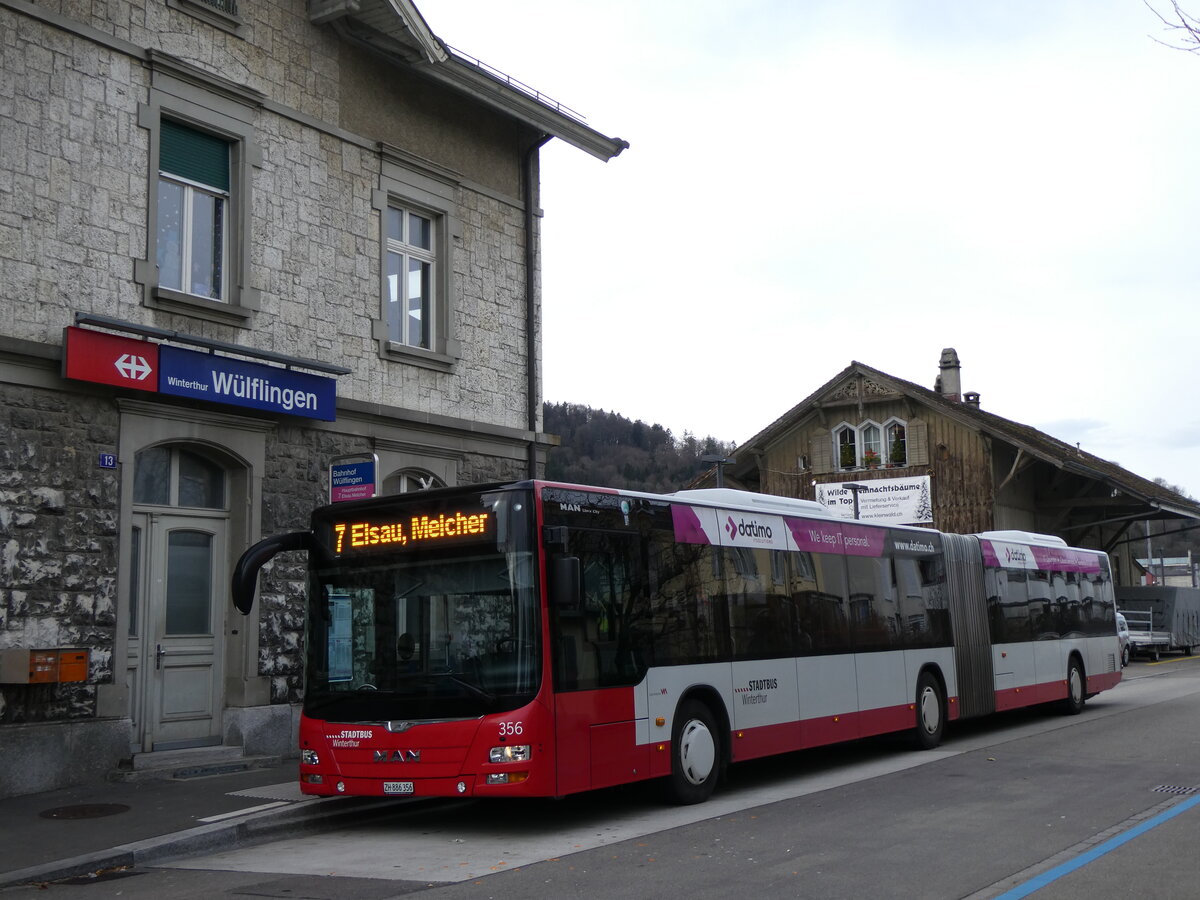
(221, 379)
(352, 480)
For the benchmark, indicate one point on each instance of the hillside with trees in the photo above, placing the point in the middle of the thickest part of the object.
(609, 450)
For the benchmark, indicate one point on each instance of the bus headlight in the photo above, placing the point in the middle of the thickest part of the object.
(509, 753)
(310, 758)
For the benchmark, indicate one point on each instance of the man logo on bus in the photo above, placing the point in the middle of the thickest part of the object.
(398, 756)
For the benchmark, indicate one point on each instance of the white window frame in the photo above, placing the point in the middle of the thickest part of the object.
(888, 444)
(398, 310)
(188, 235)
(841, 429)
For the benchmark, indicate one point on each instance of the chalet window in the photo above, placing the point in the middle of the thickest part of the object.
(897, 444)
(869, 446)
(847, 447)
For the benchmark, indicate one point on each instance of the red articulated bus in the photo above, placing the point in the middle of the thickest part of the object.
(541, 639)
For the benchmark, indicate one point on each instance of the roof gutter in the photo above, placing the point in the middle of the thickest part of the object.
(529, 172)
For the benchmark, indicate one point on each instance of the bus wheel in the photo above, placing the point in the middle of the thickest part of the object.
(695, 754)
(1073, 705)
(931, 721)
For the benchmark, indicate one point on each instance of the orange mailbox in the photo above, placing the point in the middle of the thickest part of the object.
(72, 665)
(19, 666)
(43, 666)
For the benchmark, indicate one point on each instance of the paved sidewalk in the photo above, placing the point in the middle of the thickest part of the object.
(80, 830)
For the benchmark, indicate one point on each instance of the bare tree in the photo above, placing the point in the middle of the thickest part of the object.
(1183, 26)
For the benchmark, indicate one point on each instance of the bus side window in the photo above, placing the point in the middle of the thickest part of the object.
(818, 591)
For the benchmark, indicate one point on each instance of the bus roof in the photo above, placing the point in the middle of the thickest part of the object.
(1024, 537)
(763, 502)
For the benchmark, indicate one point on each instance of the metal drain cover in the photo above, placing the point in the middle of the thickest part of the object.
(84, 811)
(1173, 789)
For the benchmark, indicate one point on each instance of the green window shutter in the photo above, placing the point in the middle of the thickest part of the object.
(193, 155)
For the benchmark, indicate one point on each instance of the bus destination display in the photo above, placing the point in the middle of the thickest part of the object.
(360, 534)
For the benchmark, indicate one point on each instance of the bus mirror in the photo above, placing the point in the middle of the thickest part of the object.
(565, 582)
(245, 573)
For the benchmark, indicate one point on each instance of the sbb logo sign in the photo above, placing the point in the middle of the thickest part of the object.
(110, 359)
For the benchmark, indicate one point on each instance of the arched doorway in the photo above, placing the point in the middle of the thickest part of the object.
(179, 552)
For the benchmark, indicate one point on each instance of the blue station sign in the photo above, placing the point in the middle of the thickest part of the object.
(222, 379)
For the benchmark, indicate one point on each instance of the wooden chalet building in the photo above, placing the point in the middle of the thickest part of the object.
(883, 448)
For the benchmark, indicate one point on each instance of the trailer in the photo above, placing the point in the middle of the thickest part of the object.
(1160, 619)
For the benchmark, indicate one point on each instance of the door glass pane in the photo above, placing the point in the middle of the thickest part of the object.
(135, 578)
(152, 476)
(189, 582)
(201, 482)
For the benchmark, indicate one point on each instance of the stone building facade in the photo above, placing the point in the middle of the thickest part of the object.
(281, 190)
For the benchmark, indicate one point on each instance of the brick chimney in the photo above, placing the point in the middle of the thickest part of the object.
(949, 382)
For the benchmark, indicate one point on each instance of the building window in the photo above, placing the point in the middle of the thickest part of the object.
(847, 447)
(174, 476)
(411, 254)
(193, 197)
(419, 230)
(868, 446)
(897, 444)
(199, 181)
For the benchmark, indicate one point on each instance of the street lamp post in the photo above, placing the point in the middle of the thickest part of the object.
(720, 462)
(854, 489)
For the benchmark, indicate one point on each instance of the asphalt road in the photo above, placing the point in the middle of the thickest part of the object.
(1024, 804)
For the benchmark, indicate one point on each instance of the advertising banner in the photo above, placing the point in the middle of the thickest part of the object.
(882, 501)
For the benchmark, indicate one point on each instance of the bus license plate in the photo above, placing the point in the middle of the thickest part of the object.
(397, 787)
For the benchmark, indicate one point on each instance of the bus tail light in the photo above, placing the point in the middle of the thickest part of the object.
(509, 753)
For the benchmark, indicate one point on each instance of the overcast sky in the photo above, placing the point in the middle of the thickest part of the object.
(812, 182)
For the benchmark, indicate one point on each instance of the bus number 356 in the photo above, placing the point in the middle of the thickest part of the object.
(508, 729)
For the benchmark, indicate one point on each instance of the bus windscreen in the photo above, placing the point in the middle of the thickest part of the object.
(423, 609)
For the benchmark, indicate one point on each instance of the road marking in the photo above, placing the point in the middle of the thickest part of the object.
(1175, 659)
(244, 812)
(1040, 881)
